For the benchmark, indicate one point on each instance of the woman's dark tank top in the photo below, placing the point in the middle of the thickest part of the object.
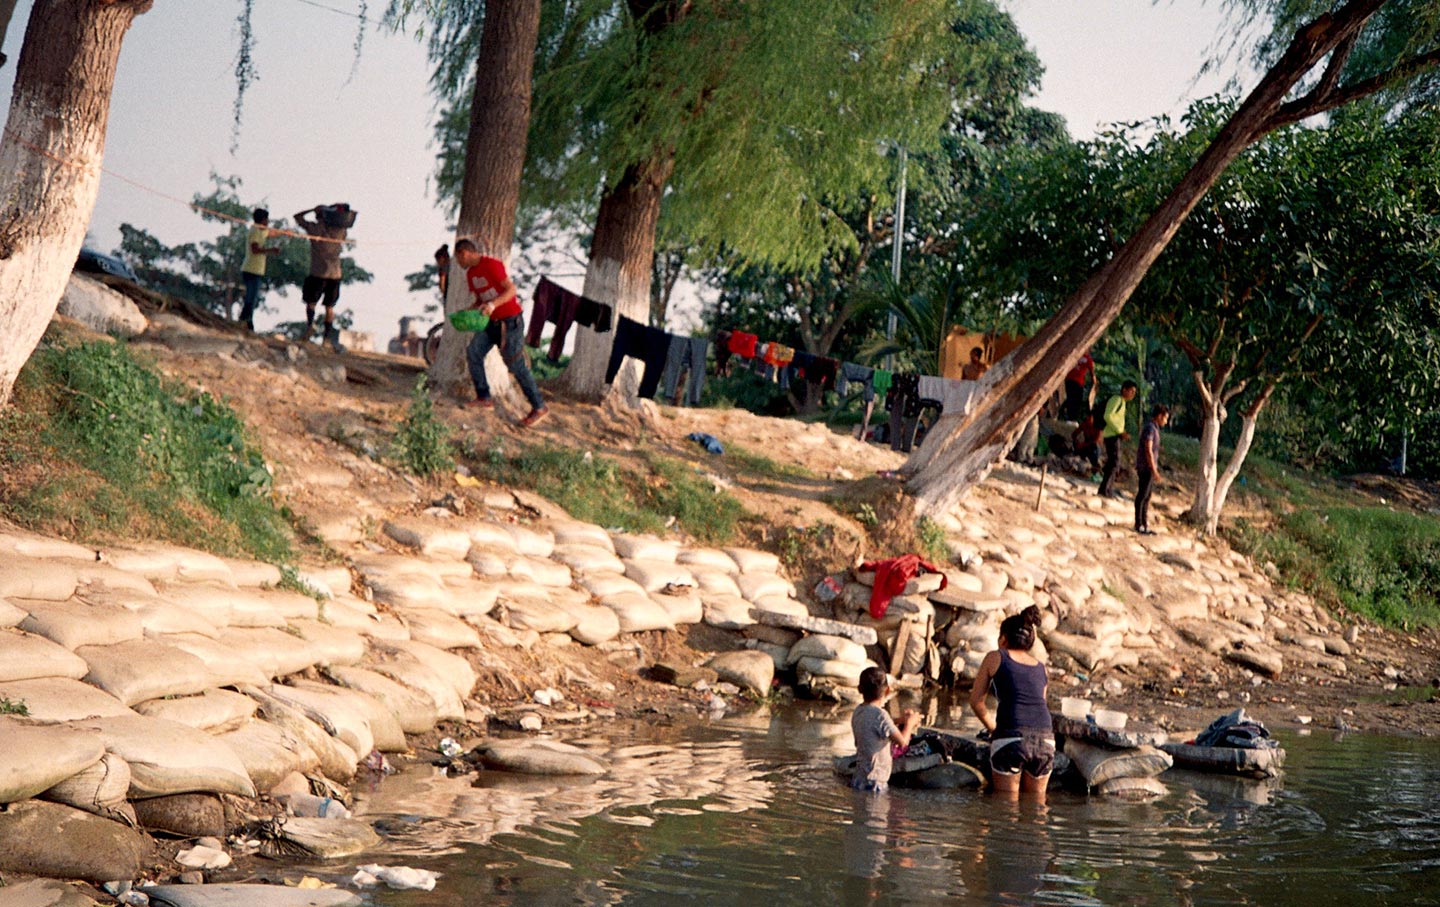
(1020, 691)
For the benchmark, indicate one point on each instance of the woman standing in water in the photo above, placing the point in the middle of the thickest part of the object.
(1022, 738)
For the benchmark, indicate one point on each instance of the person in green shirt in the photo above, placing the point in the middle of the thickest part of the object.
(1113, 433)
(254, 268)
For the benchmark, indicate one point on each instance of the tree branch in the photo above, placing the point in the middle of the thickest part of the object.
(1310, 105)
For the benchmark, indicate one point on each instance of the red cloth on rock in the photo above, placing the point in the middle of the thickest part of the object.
(891, 576)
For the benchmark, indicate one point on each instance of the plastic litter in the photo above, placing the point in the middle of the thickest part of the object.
(450, 749)
(829, 589)
(201, 857)
(134, 899)
(310, 806)
(398, 877)
(531, 723)
(548, 696)
(709, 442)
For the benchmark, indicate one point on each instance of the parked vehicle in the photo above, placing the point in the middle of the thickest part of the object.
(100, 263)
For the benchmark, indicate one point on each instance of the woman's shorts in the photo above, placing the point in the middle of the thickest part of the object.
(1033, 752)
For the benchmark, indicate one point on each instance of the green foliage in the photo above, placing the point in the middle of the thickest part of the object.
(13, 707)
(599, 490)
(931, 537)
(207, 273)
(422, 442)
(149, 451)
(291, 580)
(865, 515)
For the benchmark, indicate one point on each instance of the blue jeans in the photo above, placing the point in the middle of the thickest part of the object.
(252, 299)
(509, 335)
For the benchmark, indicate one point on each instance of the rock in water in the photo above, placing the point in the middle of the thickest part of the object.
(249, 896)
(42, 893)
(536, 757)
(48, 839)
(329, 839)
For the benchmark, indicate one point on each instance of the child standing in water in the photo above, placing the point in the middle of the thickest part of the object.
(875, 731)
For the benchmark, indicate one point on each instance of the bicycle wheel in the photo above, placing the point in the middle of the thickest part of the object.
(432, 343)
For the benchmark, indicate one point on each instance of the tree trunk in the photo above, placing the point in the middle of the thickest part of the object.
(950, 463)
(1248, 418)
(1213, 414)
(494, 161)
(619, 272)
(50, 159)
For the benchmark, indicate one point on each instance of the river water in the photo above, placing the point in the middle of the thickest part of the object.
(746, 812)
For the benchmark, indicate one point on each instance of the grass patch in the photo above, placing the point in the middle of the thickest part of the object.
(97, 443)
(930, 536)
(602, 491)
(13, 707)
(422, 442)
(761, 466)
(1379, 563)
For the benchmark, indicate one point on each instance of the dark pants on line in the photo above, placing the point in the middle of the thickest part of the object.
(1074, 407)
(509, 335)
(1142, 497)
(1112, 463)
(252, 299)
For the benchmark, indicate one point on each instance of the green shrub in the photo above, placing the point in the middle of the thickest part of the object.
(422, 443)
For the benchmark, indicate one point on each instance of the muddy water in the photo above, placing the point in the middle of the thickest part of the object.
(745, 811)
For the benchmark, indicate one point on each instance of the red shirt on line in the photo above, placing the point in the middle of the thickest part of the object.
(1084, 368)
(485, 279)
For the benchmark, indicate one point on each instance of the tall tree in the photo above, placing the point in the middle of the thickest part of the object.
(50, 158)
(963, 446)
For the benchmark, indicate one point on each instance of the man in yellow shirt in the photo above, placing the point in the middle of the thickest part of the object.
(253, 270)
(1113, 433)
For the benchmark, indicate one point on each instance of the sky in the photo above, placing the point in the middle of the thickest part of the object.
(320, 127)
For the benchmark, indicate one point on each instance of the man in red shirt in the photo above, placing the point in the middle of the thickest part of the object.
(1075, 407)
(495, 296)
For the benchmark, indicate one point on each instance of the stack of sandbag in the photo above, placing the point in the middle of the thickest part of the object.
(829, 666)
(760, 583)
(1122, 763)
(670, 587)
(715, 575)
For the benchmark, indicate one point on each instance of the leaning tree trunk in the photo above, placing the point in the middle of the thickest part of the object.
(1248, 418)
(7, 9)
(50, 159)
(1213, 413)
(965, 445)
(490, 191)
(619, 271)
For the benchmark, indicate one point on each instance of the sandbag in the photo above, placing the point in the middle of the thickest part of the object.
(408, 590)
(341, 717)
(578, 533)
(715, 582)
(538, 614)
(42, 547)
(487, 563)
(605, 583)
(167, 757)
(534, 542)
(751, 670)
(471, 597)
(159, 615)
(490, 537)
(684, 607)
(208, 600)
(24, 656)
(656, 575)
(384, 727)
(336, 760)
(225, 666)
(1098, 765)
(34, 758)
(101, 789)
(184, 815)
(253, 574)
(52, 699)
(750, 561)
(637, 612)
(781, 604)
(273, 651)
(414, 711)
(291, 605)
(169, 562)
(456, 669)
(433, 537)
(216, 711)
(75, 624)
(269, 753)
(728, 612)
(249, 608)
(332, 581)
(755, 586)
(439, 629)
(1133, 788)
(105, 578)
(845, 672)
(10, 616)
(51, 839)
(332, 645)
(588, 559)
(594, 624)
(539, 570)
(708, 559)
(536, 757)
(419, 676)
(836, 648)
(26, 577)
(645, 548)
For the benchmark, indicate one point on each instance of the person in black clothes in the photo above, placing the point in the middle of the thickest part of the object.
(1147, 467)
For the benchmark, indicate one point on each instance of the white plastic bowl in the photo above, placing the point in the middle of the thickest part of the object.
(1073, 707)
(1111, 720)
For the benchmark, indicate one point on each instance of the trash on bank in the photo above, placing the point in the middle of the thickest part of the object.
(399, 877)
(202, 857)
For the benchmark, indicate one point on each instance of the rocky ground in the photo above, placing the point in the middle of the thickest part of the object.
(202, 696)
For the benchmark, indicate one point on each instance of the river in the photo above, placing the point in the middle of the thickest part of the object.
(745, 811)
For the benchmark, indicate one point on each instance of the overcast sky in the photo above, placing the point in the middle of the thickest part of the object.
(315, 132)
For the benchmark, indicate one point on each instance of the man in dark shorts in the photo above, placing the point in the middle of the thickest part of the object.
(323, 284)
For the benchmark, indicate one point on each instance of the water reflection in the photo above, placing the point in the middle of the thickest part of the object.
(745, 811)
